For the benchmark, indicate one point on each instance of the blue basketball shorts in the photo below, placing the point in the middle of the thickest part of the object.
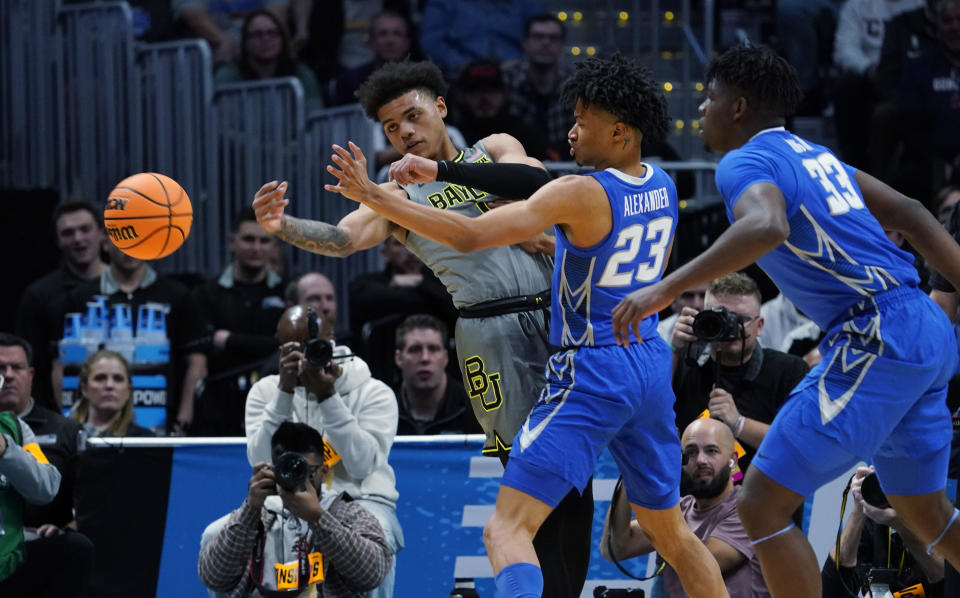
(598, 397)
(878, 395)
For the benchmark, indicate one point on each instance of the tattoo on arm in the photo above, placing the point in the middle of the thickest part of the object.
(316, 237)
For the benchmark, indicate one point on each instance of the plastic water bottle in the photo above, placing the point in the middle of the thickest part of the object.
(151, 342)
(94, 329)
(71, 346)
(121, 331)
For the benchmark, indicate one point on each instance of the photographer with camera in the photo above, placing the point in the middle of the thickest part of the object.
(291, 536)
(326, 387)
(708, 505)
(740, 382)
(876, 544)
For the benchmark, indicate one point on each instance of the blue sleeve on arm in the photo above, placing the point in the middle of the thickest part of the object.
(740, 170)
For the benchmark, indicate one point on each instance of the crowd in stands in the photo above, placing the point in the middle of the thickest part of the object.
(229, 344)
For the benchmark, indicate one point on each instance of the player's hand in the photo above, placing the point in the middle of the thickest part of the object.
(722, 407)
(635, 307)
(268, 204)
(413, 169)
(3, 444)
(290, 356)
(682, 334)
(542, 243)
(262, 484)
(353, 181)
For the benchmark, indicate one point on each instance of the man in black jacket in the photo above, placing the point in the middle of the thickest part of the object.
(429, 404)
(740, 382)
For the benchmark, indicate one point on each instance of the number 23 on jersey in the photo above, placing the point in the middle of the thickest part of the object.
(621, 269)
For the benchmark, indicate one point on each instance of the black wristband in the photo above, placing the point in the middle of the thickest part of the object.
(508, 180)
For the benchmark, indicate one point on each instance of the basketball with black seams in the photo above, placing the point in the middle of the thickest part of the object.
(148, 216)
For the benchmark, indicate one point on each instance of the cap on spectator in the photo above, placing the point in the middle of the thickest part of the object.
(482, 74)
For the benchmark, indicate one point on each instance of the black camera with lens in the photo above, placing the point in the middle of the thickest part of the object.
(605, 592)
(872, 492)
(319, 353)
(716, 324)
(291, 471)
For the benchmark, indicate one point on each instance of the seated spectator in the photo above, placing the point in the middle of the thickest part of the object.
(740, 382)
(133, 282)
(239, 311)
(296, 538)
(81, 238)
(927, 104)
(806, 30)
(905, 37)
(220, 22)
(692, 298)
(944, 201)
(941, 291)
(105, 407)
(482, 108)
(356, 413)
(533, 84)
(390, 40)
(709, 506)
(379, 300)
(29, 479)
(453, 33)
(265, 53)
(429, 403)
(856, 54)
(50, 528)
(875, 537)
(780, 318)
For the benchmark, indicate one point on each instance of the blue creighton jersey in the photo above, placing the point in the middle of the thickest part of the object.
(589, 283)
(837, 253)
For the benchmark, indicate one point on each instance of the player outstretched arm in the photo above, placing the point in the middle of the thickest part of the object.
(760, 226)
(561, 202)
(512, 174)
(909, 217)
(361, 229)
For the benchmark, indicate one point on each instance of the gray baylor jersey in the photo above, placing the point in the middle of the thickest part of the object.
(501, 357)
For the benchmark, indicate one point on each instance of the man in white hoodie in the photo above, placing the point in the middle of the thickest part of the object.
(355, 413)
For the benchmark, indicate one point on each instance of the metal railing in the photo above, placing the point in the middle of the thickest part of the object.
(29, 55)
(83, 106)
(323, 129)
(98, 88)
(175, 116)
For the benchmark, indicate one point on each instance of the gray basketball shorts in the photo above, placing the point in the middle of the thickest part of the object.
(502, 359)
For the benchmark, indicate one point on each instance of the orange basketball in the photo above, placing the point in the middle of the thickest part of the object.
(148, 216)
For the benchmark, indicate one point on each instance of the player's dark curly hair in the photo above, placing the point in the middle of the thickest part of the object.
(623, 88)
(767, 81)
(394, 79)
